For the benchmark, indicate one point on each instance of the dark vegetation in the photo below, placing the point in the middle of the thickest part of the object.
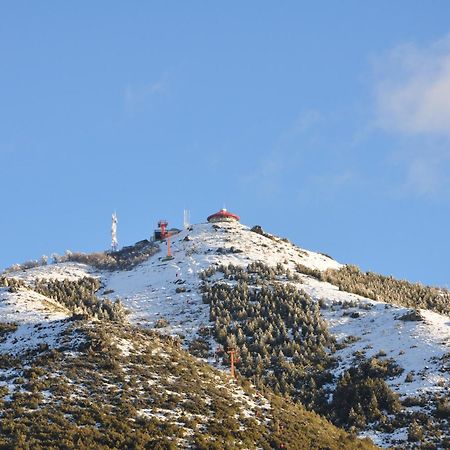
(6, 328)
(282, 340)
(283, 343)
(123, 259)
(258, 230)
(159, 397)
(362, 395)
(254, 273)
(27, 265)
(156, 397)
(384, 288)
(79, 297)
(12, 283)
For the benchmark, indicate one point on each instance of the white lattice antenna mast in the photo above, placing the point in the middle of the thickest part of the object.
(114, 242)
(186, 218)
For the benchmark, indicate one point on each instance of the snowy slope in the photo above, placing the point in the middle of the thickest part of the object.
(40, 320)
(149, 291)
(168, 289)
(63, 271)
(415, 345)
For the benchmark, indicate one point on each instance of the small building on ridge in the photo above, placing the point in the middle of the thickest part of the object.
(223, 216)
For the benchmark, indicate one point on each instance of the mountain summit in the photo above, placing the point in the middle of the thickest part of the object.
(106, 336)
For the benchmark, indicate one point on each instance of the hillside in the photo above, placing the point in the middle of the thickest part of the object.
(102, 384)
(369, 353)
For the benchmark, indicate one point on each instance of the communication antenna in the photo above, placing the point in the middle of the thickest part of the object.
(186, 219)
(114, 243)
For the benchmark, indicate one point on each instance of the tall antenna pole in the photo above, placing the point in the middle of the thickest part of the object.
(186, 219)
(114, 242)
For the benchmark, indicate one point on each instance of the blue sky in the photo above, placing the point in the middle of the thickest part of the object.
(324, 122)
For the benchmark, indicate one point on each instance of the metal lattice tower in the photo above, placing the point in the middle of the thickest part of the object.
(114, 242)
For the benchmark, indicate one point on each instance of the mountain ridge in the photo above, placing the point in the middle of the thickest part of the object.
(170, 295)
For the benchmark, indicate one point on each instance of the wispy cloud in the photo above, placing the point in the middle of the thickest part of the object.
(412, 102)
(136, 96)
(423, 176)
(413, 89)
(427, 171)
(268, 173)
(301, 162)
(304, 122)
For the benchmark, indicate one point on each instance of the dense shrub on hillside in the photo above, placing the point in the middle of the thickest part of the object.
(255, 273)
(6, 328)
(27, 265)
(384, 288)
(155, 397)
(282, 342)
(200, 347)
(79, 297)
(362, 395)
(123, 259)
(281, 339)
(258, 230)
(12, 283)
(99, 260)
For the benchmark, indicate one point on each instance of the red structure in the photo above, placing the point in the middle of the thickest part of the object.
(223, 216)
(161, 233)
(169, 253)
(232, 353)
(162, 224)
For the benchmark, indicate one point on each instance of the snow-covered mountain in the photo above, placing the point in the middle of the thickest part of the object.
(169, 294)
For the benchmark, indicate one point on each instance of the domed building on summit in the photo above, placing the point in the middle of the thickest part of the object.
(223, 216)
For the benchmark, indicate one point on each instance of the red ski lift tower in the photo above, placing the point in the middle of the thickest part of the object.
(162, 224)
(161, 232)
(233, 360)
(169, 253)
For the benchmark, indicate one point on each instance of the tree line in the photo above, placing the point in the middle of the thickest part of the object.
(371, 285)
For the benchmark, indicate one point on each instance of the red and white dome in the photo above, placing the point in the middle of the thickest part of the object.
(223, 216)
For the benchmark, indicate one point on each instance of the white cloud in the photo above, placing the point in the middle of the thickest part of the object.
(412, 94)
(413, 89)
